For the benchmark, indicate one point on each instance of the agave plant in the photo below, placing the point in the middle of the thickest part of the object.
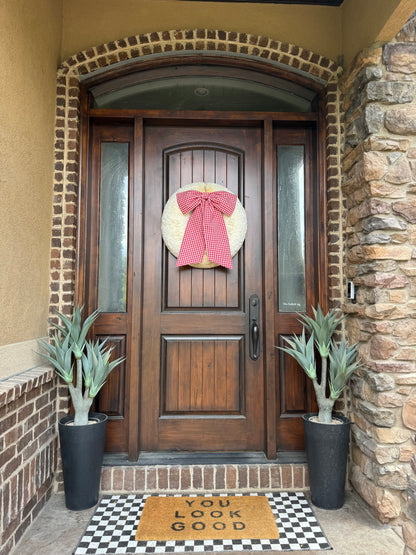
(342, 358)
(92, 361)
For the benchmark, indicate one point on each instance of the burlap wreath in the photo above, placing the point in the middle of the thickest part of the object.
(174, 223)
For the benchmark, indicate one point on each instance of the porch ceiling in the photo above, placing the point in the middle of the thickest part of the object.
(309, 2)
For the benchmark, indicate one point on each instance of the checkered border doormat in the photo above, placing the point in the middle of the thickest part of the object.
(112, 528)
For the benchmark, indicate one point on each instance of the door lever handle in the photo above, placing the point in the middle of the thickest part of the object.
(254, 338)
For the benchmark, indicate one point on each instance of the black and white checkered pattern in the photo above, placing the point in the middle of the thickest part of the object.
(113, 527)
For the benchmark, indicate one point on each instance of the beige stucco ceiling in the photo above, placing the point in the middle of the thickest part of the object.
(337, 32)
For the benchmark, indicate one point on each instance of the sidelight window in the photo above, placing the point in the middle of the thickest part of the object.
(291, 228)
(112, 278)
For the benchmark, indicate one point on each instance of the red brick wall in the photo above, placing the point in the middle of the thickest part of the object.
(219, 477)
(28, 445)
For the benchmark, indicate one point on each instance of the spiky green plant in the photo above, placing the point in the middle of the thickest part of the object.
(92, 360)
(342, 358)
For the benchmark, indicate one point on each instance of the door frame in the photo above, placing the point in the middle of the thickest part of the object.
(317, 119)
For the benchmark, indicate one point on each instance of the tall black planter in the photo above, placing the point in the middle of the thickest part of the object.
(82, 450)
(326, 453)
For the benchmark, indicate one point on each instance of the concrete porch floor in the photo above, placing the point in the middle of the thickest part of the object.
(351, 530)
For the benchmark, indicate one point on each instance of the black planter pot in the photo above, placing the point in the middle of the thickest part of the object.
(82, 450)
(326, 452)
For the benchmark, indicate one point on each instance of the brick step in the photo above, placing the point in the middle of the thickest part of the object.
(209, 477)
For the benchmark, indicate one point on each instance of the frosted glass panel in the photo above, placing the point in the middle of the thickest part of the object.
(203, 93)
(291, 229)
(112, 280)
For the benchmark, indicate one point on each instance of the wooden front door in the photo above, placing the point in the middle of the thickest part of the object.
(189, 382)
(200, 389)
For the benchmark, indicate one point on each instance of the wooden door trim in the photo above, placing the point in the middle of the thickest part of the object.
(269, 289)
(287, 323)
(84, 178)
(180, 69)
(267, 120)
(321, 211)
(228, 117)
(166, 62)
(136, 298)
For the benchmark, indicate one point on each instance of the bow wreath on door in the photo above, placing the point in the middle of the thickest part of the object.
(206, 228)
(204, 225)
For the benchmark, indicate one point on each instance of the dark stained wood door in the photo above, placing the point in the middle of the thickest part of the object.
(200, 389)
(188, 382)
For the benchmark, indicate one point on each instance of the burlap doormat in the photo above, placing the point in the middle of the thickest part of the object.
(207, 518)
(112, 529)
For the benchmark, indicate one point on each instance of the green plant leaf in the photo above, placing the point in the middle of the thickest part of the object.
(99, 359)
(59, 355)
(86, 326)
(76, 329)
(303, 352)
(322, 327)
(66, 321)
(57, 326)
(342, 365)
(92, 358)
(87, 366)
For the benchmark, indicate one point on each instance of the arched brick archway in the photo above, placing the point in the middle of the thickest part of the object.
(135, 49)
(142, 47)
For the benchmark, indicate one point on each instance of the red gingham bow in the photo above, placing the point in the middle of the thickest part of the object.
(206, 228)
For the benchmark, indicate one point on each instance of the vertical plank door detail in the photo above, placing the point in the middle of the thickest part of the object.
(203, 375)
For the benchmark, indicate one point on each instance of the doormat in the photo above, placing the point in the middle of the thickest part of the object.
(112, 529)
(207, 518)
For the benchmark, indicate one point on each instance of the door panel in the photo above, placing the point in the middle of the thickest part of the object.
(200, 390)
(296, 274)
(202, 375)
(186, 286)
(108, 277)
(111, 399)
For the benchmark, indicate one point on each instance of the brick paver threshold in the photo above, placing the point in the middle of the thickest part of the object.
(179, 478)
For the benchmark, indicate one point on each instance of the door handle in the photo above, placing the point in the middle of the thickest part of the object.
(254, 337)
(255, 340)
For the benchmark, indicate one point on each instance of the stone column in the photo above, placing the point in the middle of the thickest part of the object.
(379, 186)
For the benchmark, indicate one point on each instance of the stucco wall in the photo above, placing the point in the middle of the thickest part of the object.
(30, 41)
(328, 31)
(365, 23)
(88, 23)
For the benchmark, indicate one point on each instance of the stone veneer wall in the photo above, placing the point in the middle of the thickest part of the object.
(379, 185)
(133, 49)
(27, 450)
